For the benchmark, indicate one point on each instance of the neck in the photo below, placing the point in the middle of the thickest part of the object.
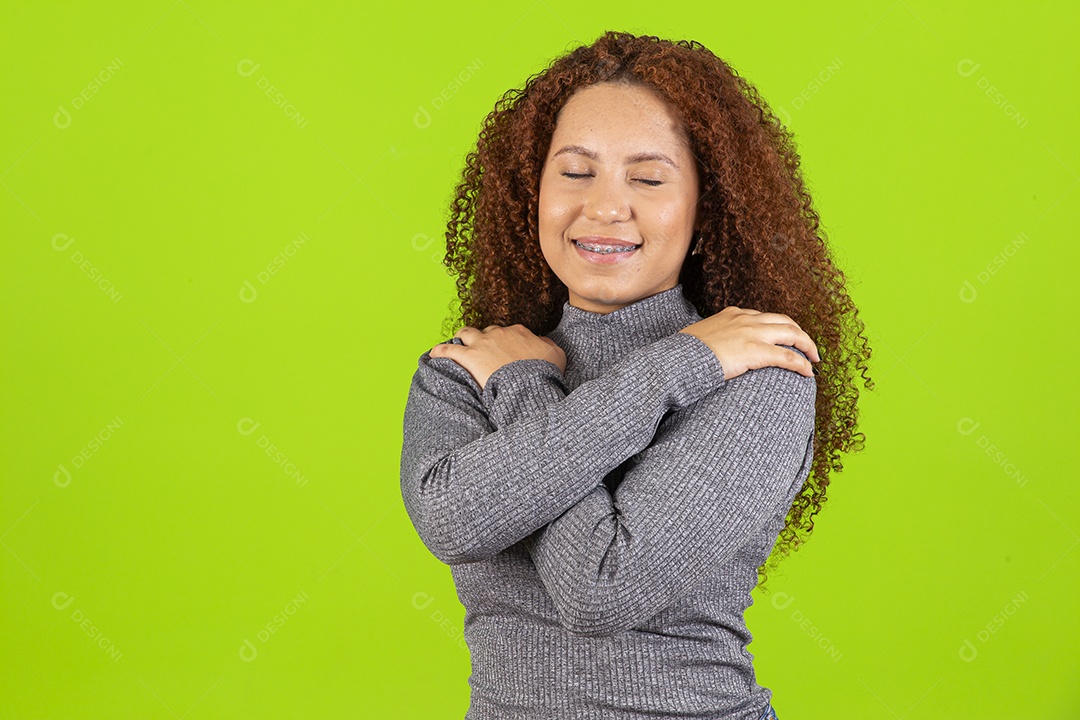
(594, 341)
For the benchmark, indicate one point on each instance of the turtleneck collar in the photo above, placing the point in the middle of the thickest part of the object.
(594, 341)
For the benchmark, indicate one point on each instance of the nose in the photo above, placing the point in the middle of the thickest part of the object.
(606, 200)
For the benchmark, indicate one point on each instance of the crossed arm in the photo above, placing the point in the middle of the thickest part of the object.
(712, 461)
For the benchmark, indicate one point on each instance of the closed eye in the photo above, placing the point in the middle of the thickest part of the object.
(650, 183)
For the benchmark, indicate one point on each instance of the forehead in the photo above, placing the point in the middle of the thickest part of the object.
(614, 114)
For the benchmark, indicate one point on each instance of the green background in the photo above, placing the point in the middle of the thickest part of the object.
(214, 299)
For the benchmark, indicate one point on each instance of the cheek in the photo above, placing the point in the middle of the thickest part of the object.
(549, 224)
(661, 216)
(675, 214)
(554, 211)
(544, 208)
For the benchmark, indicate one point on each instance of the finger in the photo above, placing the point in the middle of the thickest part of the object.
(465, 333)
(794, 361)
(805, 343)
(776, 318)
(552, 353)
(801, 339)
(789, 333)
(491, 326)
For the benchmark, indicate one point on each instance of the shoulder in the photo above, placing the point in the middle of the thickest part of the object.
(762, 413)
(772, 380)
(438, 374)
(768, 392)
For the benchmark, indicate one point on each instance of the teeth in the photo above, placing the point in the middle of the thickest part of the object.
(605, 249)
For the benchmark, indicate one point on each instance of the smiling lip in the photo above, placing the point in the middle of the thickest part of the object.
(600, 240)
(605, 258)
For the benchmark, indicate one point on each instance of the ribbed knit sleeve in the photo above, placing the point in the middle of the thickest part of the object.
(473, 487)
(713, 475)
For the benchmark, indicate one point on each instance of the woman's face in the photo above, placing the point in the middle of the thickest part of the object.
(619, 168)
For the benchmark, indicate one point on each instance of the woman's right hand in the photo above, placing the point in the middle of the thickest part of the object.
(747, 339)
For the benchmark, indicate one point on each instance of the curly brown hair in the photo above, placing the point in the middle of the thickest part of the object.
(762, 246)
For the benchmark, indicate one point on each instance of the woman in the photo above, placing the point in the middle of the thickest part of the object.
(608, 464)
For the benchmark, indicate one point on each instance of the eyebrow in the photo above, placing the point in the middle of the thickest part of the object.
(639, 157)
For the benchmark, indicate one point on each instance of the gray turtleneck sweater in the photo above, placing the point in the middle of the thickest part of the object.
(604, 526)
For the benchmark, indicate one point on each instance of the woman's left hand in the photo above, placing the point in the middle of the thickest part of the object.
(485, 351)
